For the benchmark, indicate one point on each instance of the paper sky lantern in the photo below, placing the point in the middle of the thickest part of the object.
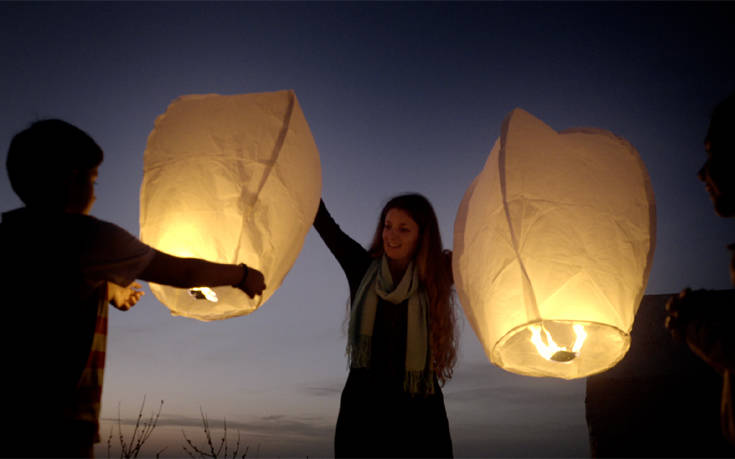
(232, 179)
(553, 244)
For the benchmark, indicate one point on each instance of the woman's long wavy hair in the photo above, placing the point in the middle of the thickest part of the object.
(435, 273)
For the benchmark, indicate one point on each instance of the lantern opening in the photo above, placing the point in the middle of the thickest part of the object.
(568, 349)
(549, 350)
(203, 293)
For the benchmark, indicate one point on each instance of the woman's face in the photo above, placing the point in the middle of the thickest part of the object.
(400, 235)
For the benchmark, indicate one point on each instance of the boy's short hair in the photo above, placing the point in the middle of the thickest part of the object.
(42, 157)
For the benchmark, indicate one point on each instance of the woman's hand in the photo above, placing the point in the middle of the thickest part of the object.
(124, 298)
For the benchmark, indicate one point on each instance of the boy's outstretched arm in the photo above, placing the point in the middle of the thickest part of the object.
(193, 272)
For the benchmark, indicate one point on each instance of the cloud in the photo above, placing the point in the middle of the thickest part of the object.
(266, 436)
(511, 394)
(323, 391)
(272, 426)
(513, 440)
(475, 381)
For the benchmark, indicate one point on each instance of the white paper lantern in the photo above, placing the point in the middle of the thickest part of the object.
(553, 244)
(232, 179)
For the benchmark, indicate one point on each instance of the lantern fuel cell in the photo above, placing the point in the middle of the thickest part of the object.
(204, 293)
(231, 179)
(553, 244)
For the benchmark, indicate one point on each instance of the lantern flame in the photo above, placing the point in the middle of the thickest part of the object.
(203, 293)
(549, 350)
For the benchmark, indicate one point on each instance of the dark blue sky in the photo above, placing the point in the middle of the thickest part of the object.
(399, 97)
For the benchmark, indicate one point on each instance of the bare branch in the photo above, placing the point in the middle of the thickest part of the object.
(141, 433)
(214, 452)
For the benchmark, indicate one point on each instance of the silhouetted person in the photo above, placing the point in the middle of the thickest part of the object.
(705, 319)
(402, 338)
(60, 267)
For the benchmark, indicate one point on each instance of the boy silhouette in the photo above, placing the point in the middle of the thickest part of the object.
(60, 268)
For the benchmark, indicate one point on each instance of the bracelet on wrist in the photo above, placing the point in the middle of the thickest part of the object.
(245, 270)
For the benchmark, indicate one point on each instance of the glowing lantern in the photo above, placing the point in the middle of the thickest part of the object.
(232, 179)
(553, 244)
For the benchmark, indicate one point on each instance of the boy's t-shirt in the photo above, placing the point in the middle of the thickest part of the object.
(53, 302)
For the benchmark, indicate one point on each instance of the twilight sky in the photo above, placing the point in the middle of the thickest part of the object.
(399, 97)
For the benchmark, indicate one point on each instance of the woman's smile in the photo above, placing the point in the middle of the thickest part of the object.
(400, 235)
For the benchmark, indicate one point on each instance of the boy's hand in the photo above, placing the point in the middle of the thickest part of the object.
(253, 284)
(124, 298)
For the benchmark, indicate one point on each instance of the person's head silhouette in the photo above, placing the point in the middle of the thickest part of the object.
(718, 172)
(53, 165)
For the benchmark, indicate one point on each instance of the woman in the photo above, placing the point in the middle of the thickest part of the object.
(402, 339)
